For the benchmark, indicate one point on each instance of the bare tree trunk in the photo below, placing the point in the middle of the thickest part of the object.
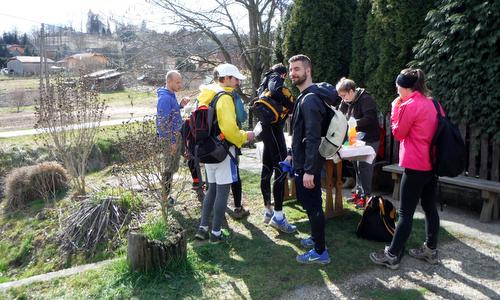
(146, 255)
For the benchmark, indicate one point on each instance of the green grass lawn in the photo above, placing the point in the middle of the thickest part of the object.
(9, 84)
(106, 132)
(128, 97)
(13, 110)
(256, 262)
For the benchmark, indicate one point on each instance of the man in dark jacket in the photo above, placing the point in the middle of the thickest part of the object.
(309, 117)
(357, 103)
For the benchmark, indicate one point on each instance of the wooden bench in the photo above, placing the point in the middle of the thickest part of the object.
(489, 190)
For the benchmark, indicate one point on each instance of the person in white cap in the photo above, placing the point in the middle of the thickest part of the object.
(221, 175)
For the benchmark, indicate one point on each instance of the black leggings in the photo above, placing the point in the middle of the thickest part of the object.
(313, 204)
(194, 169)
(274, 152)
(236, 187)
(415, 185)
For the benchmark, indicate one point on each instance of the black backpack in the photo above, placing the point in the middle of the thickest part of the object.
(267, 109)
(378, 222)
(201, 134)
(448, 151)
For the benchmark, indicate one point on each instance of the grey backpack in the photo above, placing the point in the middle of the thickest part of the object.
(335, 135)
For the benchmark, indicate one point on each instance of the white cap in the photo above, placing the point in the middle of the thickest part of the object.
(229, 70)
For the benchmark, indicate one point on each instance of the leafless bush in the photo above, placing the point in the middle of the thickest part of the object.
(150, 160)
(41, 181)
(18, 98)
(70, 111)
(97, 220)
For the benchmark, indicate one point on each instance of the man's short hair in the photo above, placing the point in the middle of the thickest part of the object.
(301, 57)
(171, 74)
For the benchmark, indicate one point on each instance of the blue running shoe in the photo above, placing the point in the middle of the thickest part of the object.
(312, 257)
(283, 225)
(307, 243)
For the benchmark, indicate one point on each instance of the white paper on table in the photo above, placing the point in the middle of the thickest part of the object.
(359, 153)
(257, 129)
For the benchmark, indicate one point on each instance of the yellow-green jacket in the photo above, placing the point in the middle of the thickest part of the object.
(226, 113)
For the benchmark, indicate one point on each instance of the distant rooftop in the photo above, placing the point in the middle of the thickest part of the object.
(81, 56)
(30, 59)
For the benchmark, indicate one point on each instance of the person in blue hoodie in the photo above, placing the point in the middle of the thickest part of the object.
(168, 118)
(169, 121)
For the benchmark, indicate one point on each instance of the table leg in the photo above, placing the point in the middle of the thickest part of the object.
(329, 213)
(339, 204)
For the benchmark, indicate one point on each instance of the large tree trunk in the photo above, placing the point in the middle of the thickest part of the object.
(145, 255)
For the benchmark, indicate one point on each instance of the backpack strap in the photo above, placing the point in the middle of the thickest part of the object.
(438, 109)
(213, 104)
(215, 123)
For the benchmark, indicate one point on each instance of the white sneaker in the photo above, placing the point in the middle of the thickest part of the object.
(267, 216)
(283, 225)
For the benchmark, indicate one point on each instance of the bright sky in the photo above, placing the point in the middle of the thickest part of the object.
(27, 15)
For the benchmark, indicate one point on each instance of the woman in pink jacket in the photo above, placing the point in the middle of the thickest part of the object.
(413, 123)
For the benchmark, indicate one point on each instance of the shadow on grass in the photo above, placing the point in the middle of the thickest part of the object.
(394, 294)
(268, 269)
(265, 267)
(472, 262)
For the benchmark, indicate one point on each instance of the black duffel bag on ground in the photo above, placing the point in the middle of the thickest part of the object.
(378, 222)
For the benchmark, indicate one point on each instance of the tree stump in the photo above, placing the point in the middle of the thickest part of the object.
(146, 255)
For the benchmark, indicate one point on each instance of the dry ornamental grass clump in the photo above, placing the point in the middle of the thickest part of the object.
(41, 181)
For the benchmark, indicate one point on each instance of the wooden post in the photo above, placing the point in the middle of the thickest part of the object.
(495, 159)
(473, 149)
(483, 168)
(397, 180)
(339, 203)
(289, 190)
(329, 186)
(286, 190)
(332, 176)
(144, 255)
(490, 207)
(135, 251)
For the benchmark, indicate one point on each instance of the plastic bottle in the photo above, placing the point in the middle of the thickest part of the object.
(351, 133)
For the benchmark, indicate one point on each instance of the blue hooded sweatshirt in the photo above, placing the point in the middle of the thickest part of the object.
(168, 119)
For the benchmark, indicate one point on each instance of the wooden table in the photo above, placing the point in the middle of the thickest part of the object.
(333, 180)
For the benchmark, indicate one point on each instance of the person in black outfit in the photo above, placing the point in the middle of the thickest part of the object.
(310, 122)
(272, 107)
(359, 104)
